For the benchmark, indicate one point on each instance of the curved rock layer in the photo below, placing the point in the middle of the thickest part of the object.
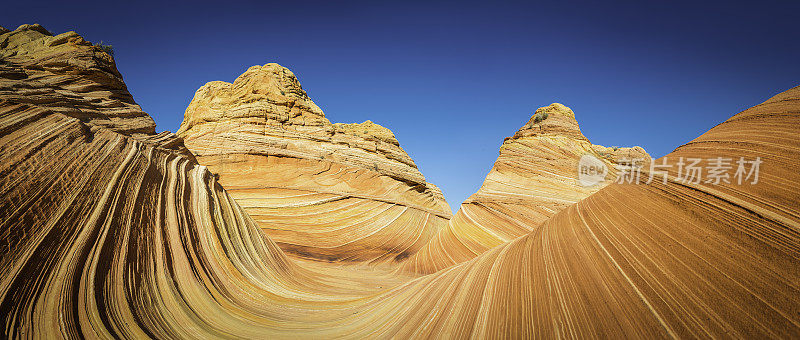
(651, 261)
(535, 176)
(333, 192)
(104, 235)
(71, 76)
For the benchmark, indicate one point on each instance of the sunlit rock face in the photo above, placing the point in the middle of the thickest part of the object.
(71, 76)
(105, 233)
(334, 192)
(535, 176)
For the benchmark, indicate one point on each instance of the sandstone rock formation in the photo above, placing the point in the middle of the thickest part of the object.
(69, 75)
(108, 236)
(535, 176)
(288, 166)
(335, 192)
(671, 260)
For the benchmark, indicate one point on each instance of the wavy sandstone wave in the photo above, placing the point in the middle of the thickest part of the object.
(106, 233)
(534, 177)
(323, 191)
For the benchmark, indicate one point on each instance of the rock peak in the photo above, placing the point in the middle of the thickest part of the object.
(553, 120)
(369, 131)
(268, 94)
(281, 158)
(66, 70)
(33, 27)
(68, 76)
(556, 108)
(272, 78)
(265, 111)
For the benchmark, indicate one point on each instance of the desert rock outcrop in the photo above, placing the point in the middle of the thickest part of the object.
(69, 75)
(335, 192)
(534, 177)
(105, 235)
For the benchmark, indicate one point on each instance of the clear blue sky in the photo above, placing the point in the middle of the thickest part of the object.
(452, 80)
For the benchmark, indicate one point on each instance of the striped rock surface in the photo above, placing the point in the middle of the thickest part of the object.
(534, 177)
(71, 76)
(324, 191)
(105, 235)
(674, 260)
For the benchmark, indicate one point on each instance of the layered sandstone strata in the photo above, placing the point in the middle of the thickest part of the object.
(535, 176)
(674, 260)
(106, 236)
(69, 75)
(321, 190)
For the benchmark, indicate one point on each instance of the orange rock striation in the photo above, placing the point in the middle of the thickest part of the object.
(106, 234)
(71, 76)
(535, 176)
(333, 192)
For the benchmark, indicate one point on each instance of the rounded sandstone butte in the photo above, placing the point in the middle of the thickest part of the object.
(265, 111)
(555, 119)
(332, 192)
(534, 177)
(269, 94)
